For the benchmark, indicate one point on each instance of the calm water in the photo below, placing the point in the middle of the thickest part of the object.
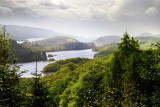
(60, 55)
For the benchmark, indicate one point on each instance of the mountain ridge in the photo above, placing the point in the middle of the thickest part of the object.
(22, 33)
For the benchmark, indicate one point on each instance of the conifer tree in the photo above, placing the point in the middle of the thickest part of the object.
(128, 45)
(125, 70)
(40, 94)
(9, 78)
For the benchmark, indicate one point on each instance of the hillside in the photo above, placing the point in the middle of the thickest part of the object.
(145, 42)
(148, 34)
(25, 54)
(21, 33)
(56, 44)
(106, 40)
(130, 77)
(127, 78)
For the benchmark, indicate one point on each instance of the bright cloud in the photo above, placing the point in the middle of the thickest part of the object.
(110, 13)
(151, 11)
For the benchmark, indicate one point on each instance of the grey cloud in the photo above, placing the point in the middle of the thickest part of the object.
(119, 12)
(53, 6)
(5, 12)
(107, 10)
(127, 10)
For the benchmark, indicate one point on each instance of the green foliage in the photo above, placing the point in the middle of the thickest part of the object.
(64, 76)
(53, 67)
(27, 55)
(87, 91)
(105, 51)
(127, 78)
(128, 45)
(133, 75)
(40, 94)
(10, 93)
(144, 42)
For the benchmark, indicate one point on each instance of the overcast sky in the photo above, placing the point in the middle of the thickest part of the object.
(87, 18)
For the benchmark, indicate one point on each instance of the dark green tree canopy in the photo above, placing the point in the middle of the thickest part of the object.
(128, 45)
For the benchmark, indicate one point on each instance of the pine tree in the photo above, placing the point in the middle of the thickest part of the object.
(9, 78)
(125, 70)
(40, 94)
(128, 45)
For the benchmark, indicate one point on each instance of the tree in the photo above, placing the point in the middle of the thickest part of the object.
(139, 73)
(125, 72)
(128, 45)
(40, 94)
(9, 78)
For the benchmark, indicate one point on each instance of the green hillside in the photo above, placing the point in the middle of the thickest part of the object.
(144, 42)
(147, 42)
(25, 54)
(56, 44)
(129, 77)
(58, 65)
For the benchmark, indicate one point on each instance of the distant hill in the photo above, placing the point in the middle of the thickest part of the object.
(148, 34)
(144, 38)
(56, 44)
(25, 54)
(21, 33)
(145, 42)
(149, 38)
(106, 40)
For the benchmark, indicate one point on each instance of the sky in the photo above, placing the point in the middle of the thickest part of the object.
(84, 18)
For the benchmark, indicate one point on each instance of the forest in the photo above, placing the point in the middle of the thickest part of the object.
(129, 76)
(26, 54)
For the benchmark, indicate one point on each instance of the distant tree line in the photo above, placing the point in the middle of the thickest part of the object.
(57, 44)
(25, 54)
(76, 46)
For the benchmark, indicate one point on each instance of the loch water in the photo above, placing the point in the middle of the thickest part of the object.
(30, 67)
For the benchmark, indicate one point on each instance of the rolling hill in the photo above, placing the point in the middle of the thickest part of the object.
(145, 41)
(56, 44)
(106, 40)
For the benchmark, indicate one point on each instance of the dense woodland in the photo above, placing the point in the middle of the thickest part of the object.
(127, 77)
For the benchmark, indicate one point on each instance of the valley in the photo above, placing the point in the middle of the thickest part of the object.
(91, 73)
